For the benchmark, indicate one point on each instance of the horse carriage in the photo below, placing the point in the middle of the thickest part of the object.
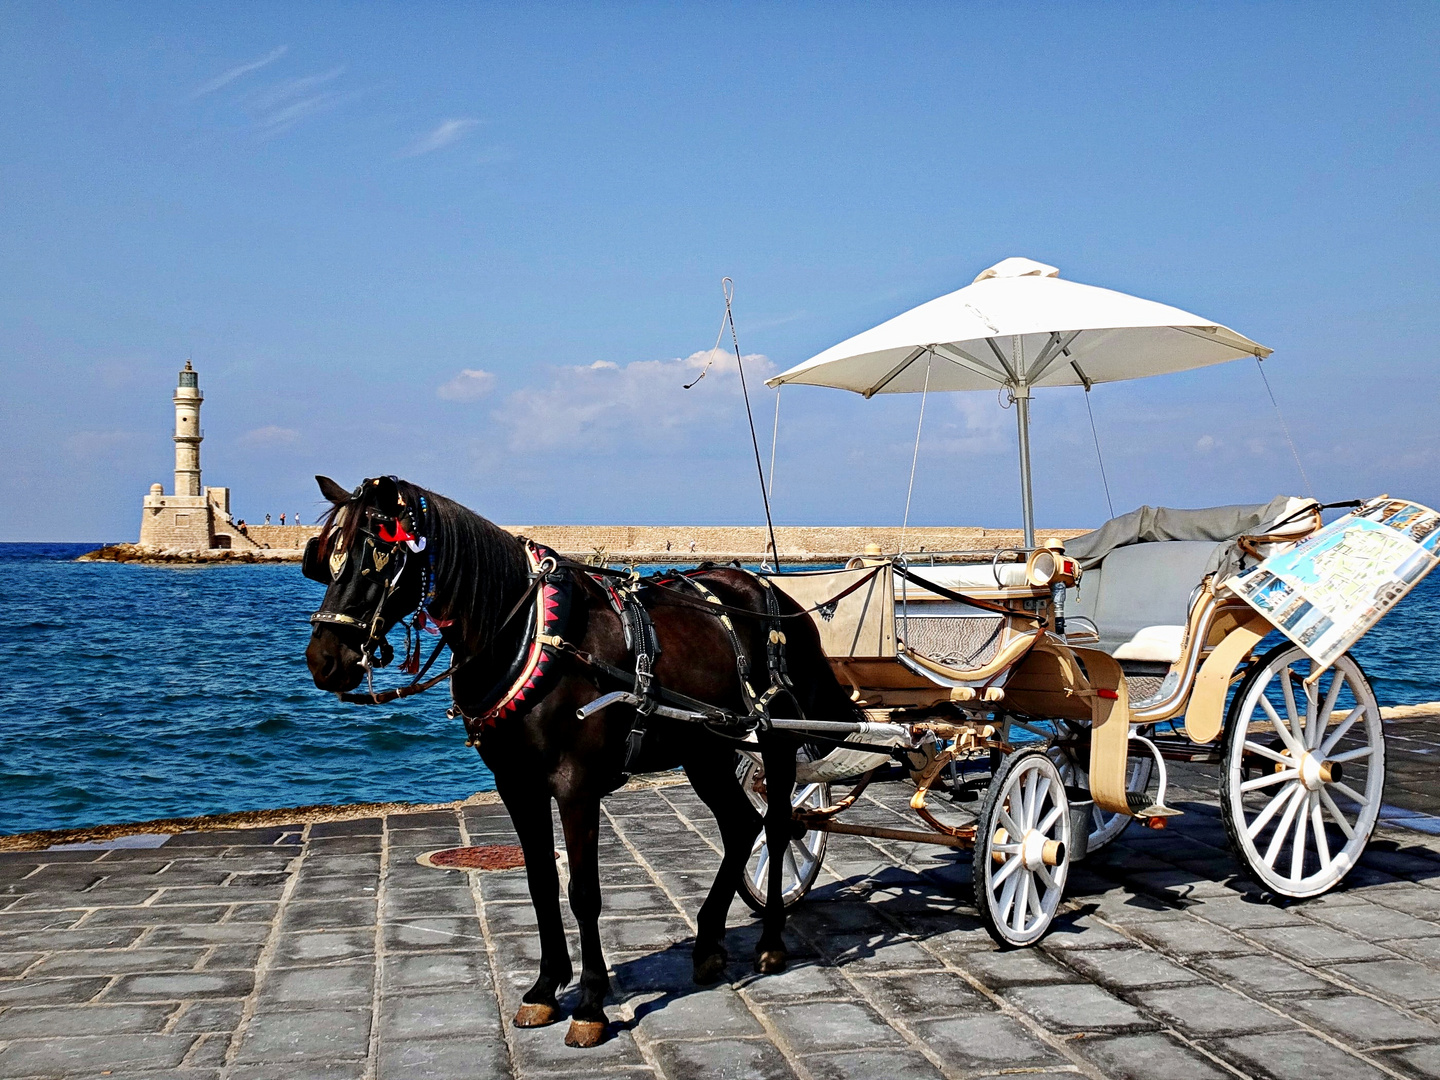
(1046, 689)
(1041, 690)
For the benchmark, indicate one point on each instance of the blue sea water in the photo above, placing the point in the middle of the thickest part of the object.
(135, 692)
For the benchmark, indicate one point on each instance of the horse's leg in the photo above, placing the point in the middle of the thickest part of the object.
(712, 775)
(580, 818)
(529, 810)
(779, 757)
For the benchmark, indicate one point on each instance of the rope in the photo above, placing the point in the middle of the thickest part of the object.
(1096, 435)
(728, 287)
(924, 393)
(1284, 427)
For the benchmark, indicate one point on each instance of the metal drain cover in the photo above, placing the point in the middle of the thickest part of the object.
(488, 857)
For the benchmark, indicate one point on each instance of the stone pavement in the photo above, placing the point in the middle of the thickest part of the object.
(325, 950)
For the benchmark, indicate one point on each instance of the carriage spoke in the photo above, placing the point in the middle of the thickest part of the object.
(790, 863)
(1339, 732)
(1011, 826)
(1027, 798)
(761, 869)
(1011, 865)
(1351, 794)
(1022, 905)
(1328, 709)
(1317, 825)
(800, 799)
(1336, 814)
(1297, 847)
(1266, 752)
(1281, 727)
(1043, 872)
(1287, 690)
(1275, 805)
(1311, 709)
(806, 856)
(1042, 792)
(1007, 896)
(1033, 895)
(759, 842)
(1351, 755)
(1283, 829)
(1048, 822)
(1267, 781)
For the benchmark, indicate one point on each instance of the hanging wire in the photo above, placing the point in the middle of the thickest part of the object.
(924, 393)
(1098, 457)
(728, 287)
(774, 439)
(1284, 427)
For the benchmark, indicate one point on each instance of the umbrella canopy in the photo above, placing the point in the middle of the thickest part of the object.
(1019, 325)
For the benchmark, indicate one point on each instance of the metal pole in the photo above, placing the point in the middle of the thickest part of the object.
(1022, 421)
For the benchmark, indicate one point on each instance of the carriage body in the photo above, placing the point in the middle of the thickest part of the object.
(1070, 700)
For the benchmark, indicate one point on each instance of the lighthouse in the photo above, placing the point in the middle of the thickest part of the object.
(187, 432)
(194, 518)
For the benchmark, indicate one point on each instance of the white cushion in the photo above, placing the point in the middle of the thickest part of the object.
(1156, 643)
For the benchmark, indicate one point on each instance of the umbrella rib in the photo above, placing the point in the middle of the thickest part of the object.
(915, 354)
(1057, 346)
(999, 355)
(962, 359)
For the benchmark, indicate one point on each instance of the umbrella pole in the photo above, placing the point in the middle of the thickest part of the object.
(1027, 500)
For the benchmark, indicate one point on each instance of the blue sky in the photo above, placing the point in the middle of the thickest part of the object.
(341, 210)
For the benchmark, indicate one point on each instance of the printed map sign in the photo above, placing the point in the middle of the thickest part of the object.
(1330, 588)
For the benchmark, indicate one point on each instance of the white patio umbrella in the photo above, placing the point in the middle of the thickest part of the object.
(1020, 325)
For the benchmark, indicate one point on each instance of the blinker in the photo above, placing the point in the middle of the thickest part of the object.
(310, 565)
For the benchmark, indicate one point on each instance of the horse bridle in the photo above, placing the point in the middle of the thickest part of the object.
(403, 539)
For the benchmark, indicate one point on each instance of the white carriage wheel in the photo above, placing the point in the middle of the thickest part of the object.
(1022, 843)
(803, 855)
(1304, 771)
(1104, 825)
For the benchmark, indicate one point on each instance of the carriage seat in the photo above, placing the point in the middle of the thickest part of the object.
(1139, 597)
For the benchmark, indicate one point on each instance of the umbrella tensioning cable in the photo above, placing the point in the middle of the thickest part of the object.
(1284, 426)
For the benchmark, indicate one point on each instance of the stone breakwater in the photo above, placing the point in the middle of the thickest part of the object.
(641, 543)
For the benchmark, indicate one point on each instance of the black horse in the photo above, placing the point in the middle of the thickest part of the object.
(391, 549)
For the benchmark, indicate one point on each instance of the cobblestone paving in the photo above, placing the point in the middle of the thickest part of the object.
(325, 950)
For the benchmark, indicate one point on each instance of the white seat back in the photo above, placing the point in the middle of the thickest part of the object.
(1141, 586)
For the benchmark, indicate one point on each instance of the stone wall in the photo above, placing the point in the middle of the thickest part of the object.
(281, 536)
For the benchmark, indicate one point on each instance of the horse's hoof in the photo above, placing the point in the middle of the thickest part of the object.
(536, 1015)
(585, 1033)
(711, 969)
(771, 962)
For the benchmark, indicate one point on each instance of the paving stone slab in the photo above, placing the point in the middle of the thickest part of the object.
(59, 1021)
(729, 1059)
(1188, 939)
(50, 991)
(311, 1035)
(1362, 1021)
(923, 995)
(1070, 1008)
(1264, 975)
(1210, 1011)
(217, 1016)
(985, 1041)
(1422, 1061)
(1129, 969)
(1402, 980)
(543, 1051)
(872, 1065)
(423, 971)
(1374, 922)
(298, 1070)
(117, 962)
(816, 1026)
(323, 946)
(1294, 1055)
(328, 914)
(1152, 1056)
(1014, 968)
(436, 1014)
(318, 987)
(694, 1013)
(93, 1055)
(181, 986)
(230, 933)
(444, 1059)
(1318, 945)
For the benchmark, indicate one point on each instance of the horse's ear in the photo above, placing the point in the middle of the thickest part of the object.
(332, 491)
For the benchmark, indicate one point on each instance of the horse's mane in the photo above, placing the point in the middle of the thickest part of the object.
(479, 567)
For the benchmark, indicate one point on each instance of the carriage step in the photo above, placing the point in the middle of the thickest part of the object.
(1158, 811)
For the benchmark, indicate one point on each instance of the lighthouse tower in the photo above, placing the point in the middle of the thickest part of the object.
(187, 432)
(194, 518)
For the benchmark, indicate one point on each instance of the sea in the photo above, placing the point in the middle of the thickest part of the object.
(137, 692)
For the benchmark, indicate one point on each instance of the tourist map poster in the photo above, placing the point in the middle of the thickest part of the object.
(1330, 588)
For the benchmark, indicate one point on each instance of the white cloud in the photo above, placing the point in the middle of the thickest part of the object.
(641, 403)
(470, 384)
(226, 78)
(1205, 443)
(270, 436)
(279, 107)
(447, 132)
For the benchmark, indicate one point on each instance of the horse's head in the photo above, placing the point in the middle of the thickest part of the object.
(367, 556)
